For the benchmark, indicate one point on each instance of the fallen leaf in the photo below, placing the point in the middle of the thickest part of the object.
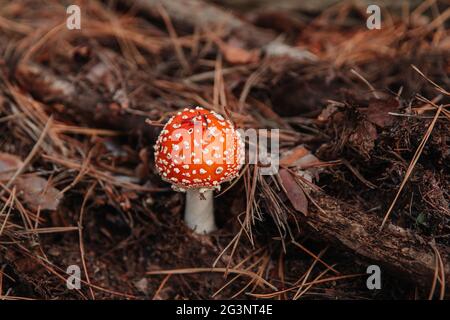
(378, 111)
(142, 285)
(36, 192)
(290, 157)
(8, 165)
(294, 192)
(299, 157)
(237, 55)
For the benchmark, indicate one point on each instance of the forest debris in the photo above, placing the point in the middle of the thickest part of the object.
(40, 81)
(394, 247)
(327, 112)
(363, 137)
(378, 111)
(37, 192)
(358, 174)
(236, 55)
(142, 285)
(290, 157)
(412, 164)
(279, 49)
(293, 191)
(82, 103)
(302, 162)
(8, 165)
(282, 21)
(346, 217)
(200, 14)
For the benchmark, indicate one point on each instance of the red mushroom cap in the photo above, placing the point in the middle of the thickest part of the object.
(198, 149)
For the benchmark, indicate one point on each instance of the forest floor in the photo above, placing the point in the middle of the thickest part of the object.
(364, 112)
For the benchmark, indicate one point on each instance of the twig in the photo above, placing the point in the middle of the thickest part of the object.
(218, 270)
(80, 235)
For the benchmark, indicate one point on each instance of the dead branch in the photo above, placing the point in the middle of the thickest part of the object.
(196, 13)
(80, 102)
(399, 250)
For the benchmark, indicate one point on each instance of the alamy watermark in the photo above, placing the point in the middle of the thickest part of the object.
(74, 279)
(73, 21)
(374, 20)
(196, 145)
(374, 280)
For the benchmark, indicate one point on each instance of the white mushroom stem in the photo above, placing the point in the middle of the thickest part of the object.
(199, 211)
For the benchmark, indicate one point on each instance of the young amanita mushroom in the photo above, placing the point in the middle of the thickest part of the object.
(196, 151)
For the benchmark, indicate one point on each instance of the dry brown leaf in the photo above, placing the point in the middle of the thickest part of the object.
(326, 113)
(9, 164)
(299, 157)
(294, 192)
(291, 156)
(34, 190)
(37, 193)
(378, 111)
(236, 55)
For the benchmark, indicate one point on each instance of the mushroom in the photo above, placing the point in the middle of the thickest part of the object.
(196, 151)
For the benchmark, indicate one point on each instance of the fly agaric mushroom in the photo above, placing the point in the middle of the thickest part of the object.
(196, 151)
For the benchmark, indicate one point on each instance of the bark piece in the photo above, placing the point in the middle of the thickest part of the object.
(397, 249)
(201, 14)
(81, 103)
